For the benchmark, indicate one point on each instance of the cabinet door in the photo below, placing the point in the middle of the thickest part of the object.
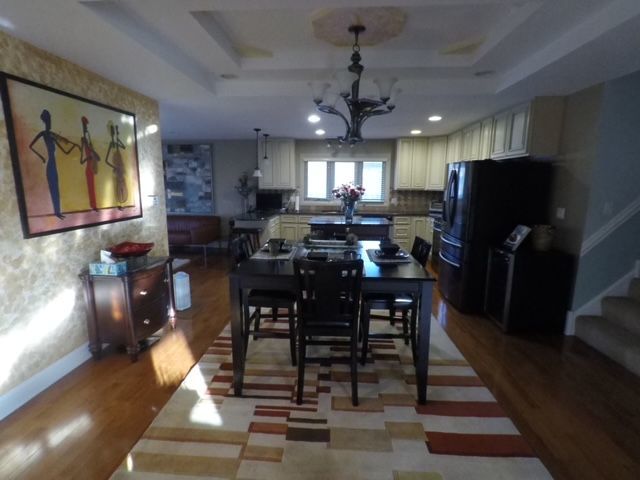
(499, 144)
(284, 164)
(471, 142)
(486, 130)
(289, 231)
(419, 228)
(419, 164)
(518, 129)
(404, 153)
(454, 143)
(436, 156)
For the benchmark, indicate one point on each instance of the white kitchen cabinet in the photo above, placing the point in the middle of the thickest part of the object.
(429, 236)
(486, 136)
(271, 230)
(278, 169)
(436, 163)
(303, 226)
(529, 129)
(454, 144)
(406, 228)
(411, 164)
(471, 142)
(289, 227)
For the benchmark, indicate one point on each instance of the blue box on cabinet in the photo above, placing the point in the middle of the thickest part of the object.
(112, 269)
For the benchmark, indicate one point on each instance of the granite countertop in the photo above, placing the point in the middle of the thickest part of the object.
(266, 215)
(357, 220)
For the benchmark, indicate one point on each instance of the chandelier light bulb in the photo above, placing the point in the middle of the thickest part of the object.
(313, 118)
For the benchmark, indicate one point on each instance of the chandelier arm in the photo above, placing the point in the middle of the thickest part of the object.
(335, 111)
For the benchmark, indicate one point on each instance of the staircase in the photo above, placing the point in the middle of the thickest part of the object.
(617, 332)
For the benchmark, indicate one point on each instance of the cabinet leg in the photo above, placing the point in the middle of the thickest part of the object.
(96, 351)
(133, 352)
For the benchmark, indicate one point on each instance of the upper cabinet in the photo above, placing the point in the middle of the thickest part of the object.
(471, 142)
(411, 164)
(436, 159)
(454, 147)
(420, 163)
(279, 168)
(530, 129)
(486, 136)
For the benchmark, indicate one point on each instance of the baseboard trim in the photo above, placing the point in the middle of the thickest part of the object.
(594, 306)
(18, 396)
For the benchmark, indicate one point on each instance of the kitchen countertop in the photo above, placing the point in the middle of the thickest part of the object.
(266, 215)
(357, 220)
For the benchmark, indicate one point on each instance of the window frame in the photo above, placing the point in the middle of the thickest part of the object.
(358, 160)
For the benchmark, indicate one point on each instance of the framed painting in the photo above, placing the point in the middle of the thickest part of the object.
(75, 161)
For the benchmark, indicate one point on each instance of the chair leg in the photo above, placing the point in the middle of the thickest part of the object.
(247, 327)
(365, 332)
(292, 335)
(256, 326)
(274, 314)
(392, 314)
(414, 337)
(354, 367)
(204, 254)
(302, 358)
(405, 326)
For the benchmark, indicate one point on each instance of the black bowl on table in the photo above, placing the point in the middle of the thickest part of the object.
(389, 249)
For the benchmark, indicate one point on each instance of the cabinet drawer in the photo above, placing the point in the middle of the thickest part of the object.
(150, 318)
(147, 286)
(288, 218)
(402, 220)
(401, 231)
(304, 219)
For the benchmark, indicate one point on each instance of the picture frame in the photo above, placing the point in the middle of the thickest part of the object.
(75, 160)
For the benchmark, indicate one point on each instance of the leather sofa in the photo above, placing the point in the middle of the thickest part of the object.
(193, 230)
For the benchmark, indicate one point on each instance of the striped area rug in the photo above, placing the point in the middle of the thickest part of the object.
(206, 432)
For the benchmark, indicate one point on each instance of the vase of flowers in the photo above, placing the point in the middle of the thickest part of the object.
(349, 194)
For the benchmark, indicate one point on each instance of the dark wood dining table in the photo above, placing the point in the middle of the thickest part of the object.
(409, 277)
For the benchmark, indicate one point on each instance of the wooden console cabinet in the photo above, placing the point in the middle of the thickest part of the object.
(126, 309)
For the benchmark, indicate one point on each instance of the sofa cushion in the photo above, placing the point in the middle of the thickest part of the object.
(193, 229)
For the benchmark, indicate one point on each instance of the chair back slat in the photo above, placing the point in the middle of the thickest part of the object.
(328, 292)
(420, 250)
(240, 248)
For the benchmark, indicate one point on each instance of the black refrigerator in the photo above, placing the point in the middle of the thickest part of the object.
(483, 202)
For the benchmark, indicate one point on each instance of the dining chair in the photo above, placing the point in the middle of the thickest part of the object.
(328, 298)
(405, 303)
(241, 248)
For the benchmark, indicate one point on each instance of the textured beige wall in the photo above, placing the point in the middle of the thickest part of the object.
(43, 315)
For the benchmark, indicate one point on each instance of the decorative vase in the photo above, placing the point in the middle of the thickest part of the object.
(349, 210)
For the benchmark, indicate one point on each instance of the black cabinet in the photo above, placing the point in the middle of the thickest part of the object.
(528, 290)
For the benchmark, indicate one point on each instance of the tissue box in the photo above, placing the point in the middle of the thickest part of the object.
(113, 269)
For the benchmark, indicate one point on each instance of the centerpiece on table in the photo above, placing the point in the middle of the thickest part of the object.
(349, 194)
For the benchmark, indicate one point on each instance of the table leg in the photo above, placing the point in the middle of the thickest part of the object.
(237, 341)
(424, 338)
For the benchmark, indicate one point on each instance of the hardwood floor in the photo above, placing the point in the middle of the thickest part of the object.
(579, 411)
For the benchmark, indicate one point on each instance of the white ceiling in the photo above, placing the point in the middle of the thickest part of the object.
(178, 52)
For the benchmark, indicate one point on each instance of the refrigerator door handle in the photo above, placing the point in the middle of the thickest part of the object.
(452, 195)
(446, 240)
(447, 198)
(442, 257)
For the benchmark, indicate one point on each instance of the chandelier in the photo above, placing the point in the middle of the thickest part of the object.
(360, 109)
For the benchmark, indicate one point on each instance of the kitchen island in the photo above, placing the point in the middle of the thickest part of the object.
(365, 228)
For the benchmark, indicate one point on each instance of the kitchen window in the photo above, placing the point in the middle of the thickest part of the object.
(323, 175)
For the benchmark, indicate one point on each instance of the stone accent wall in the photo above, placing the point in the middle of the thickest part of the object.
(43, 316)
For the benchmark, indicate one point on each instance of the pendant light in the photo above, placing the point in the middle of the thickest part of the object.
(256, 171)
(264, 146)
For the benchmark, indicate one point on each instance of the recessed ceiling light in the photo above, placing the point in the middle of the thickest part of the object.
(416, 132)
(313, 118)
(320, 132)
(435, 118)
(229, 76)
(484, 73)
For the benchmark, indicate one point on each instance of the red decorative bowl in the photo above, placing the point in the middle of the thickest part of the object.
(131, 249)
